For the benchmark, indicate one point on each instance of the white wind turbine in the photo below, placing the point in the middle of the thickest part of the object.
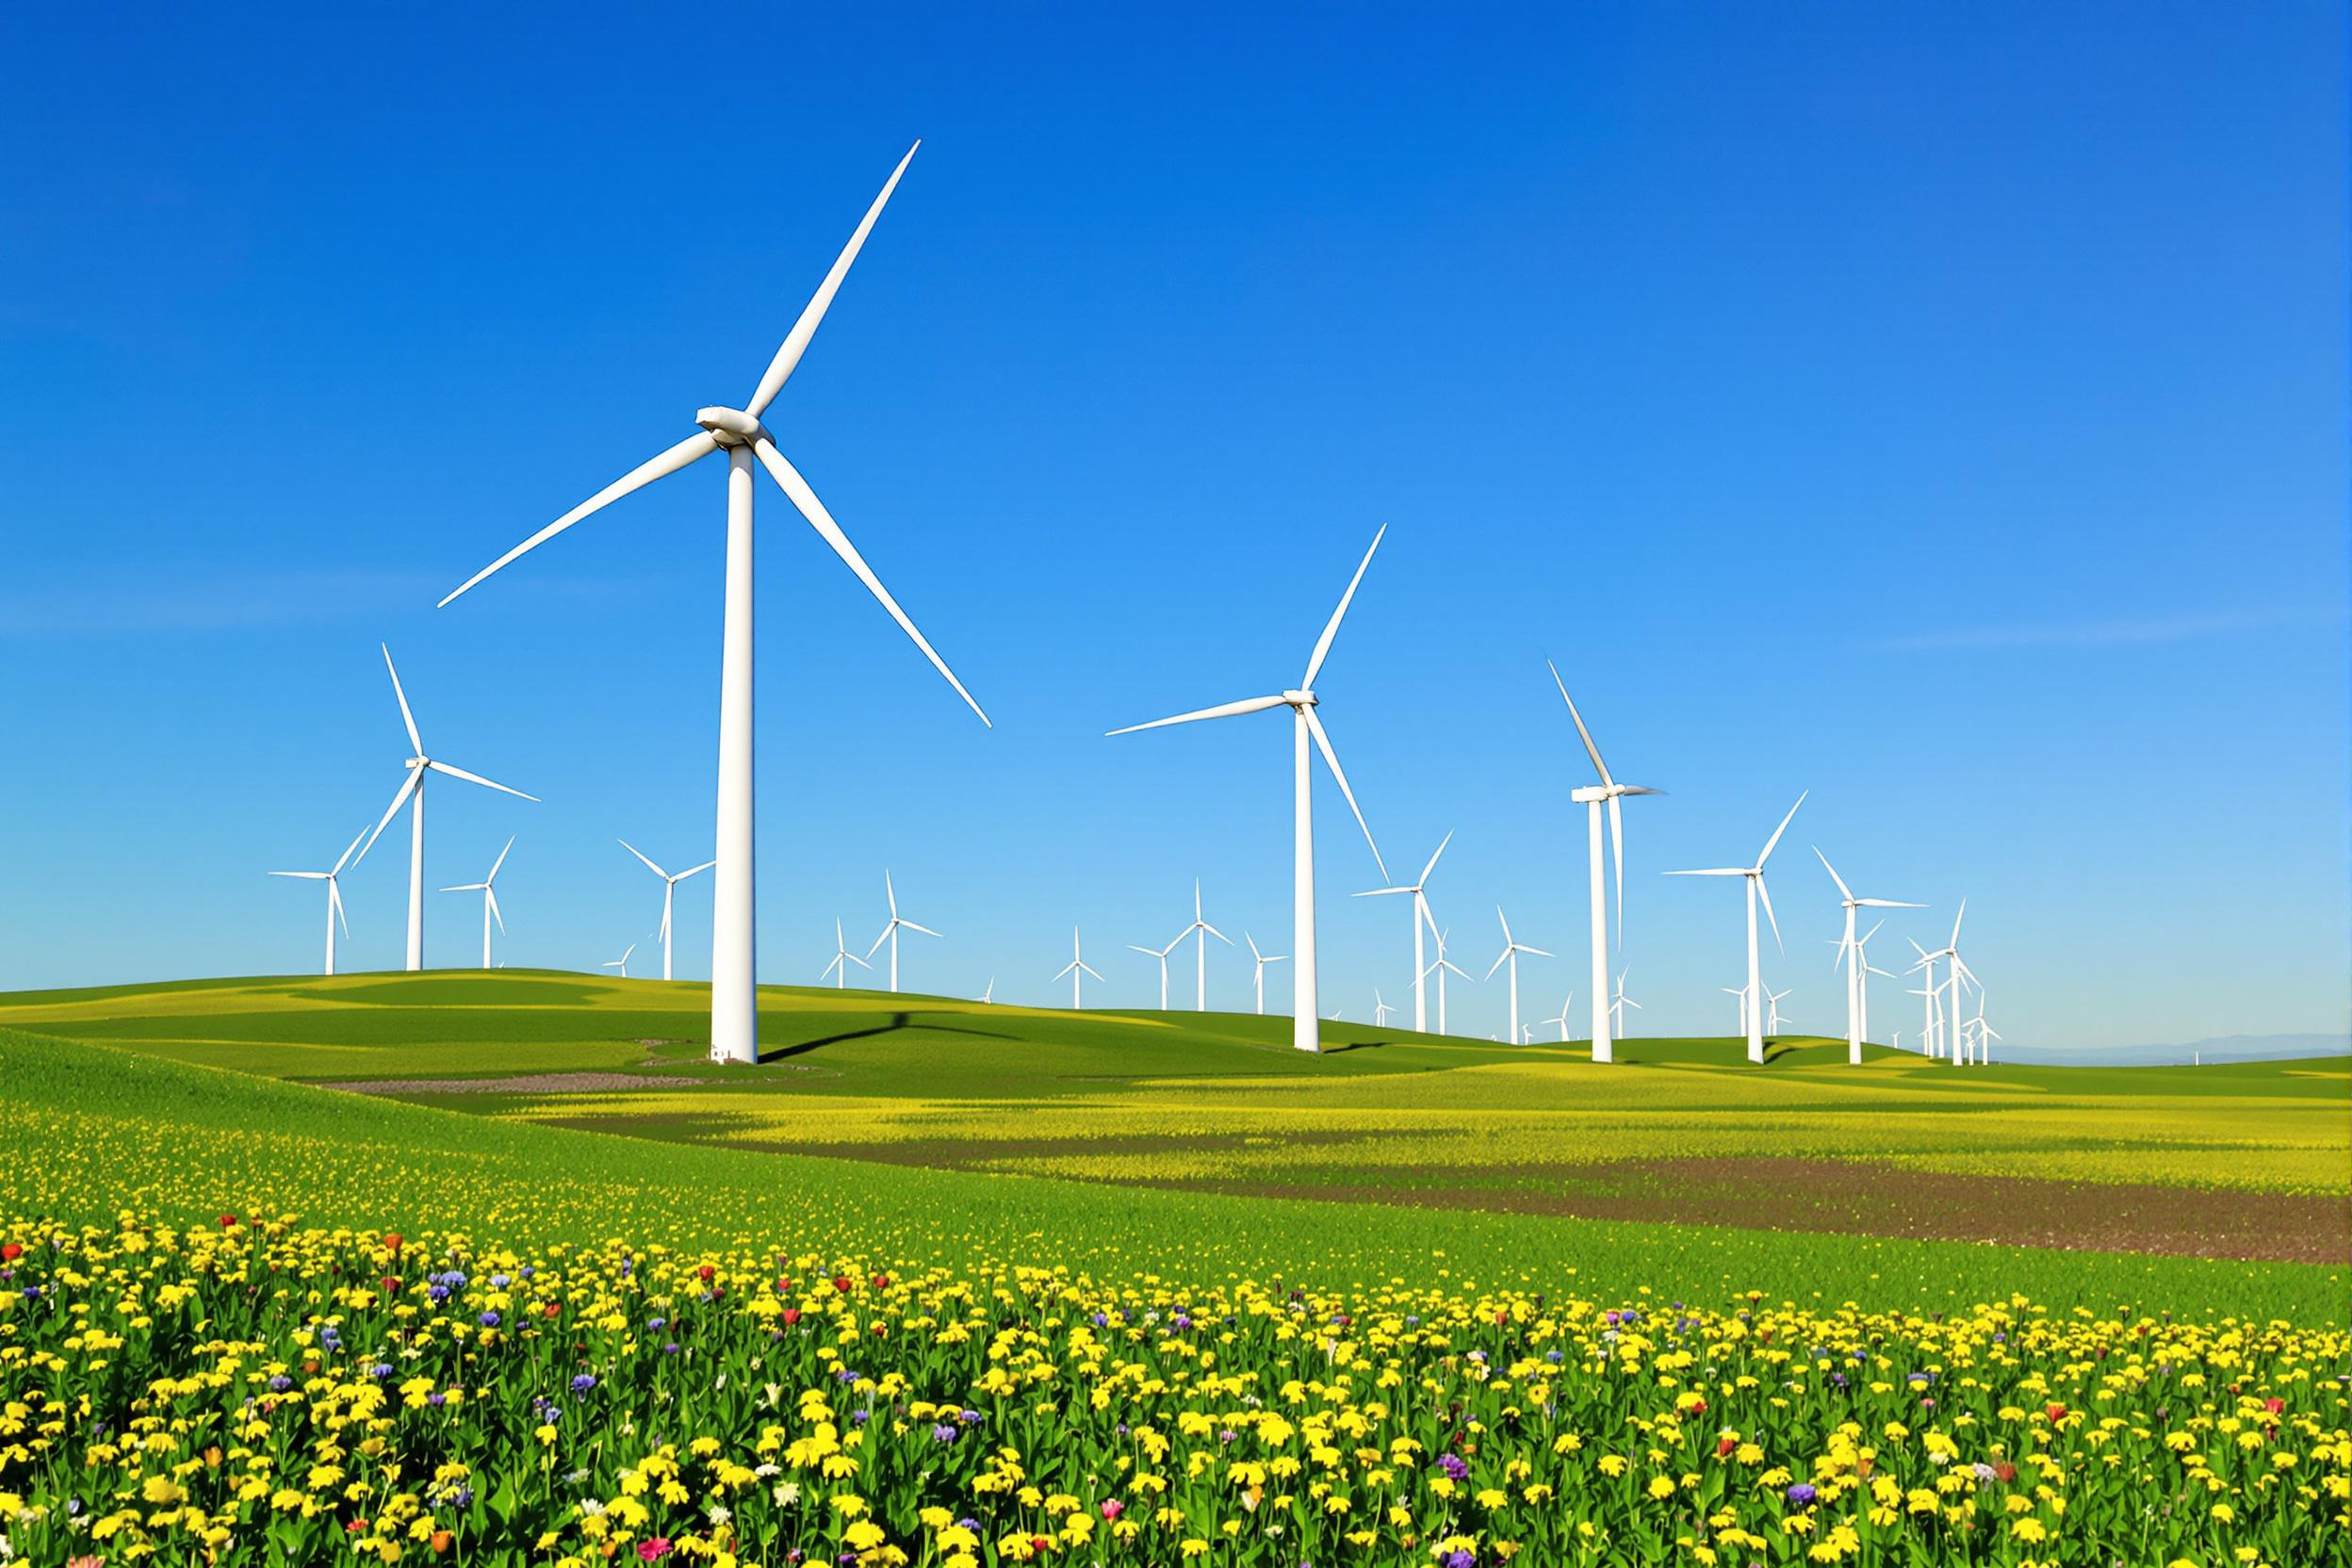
(620, 963)
(1261, 960)
(1753, 875)
(335, 895)
(1984, 1030)
(843, 958)
(1201, 931)
(1379, 1010)
(1933, 1016)
(1949, 1034)
(890, 932)
(1739, 991)
(487, 887)
(1511, 955)
(988, 996)
(1771, 1011)
(1161, 954)
(1861, 978)
(734, 981)
(1617, 1009)
(1302, 702)
(1565, 1009)
(1077, 970)
(1850, 955)
(412, 793)
(669, 896)
(1592, 796)
(1440, 967)
(1418, 888)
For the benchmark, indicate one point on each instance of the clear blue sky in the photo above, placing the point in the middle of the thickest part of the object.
(1941, 408)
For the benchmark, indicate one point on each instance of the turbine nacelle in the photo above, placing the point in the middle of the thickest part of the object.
(732, 427)
(1301, 699)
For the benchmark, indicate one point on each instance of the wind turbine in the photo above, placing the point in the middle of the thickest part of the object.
(1609, 792)
(1161, 954)
(1379, 1010)
(1511, 955)
(890, 932)
(1857, 982)
(1984, 1030)
(1754, 877)
(669, 894)
(1617, 1009)
(1739, 991)
(1201, 931)
(734, 979)
(1440, 967)
(1262, 959)
(1565, 1007)
(335, 895)
(1927, 961)
(1928, 1032)
(1421, 917)
(620, 963)
(488, 890)
(1077, 971)
(1301, 701)
(989, 997)
(1860, 978)
(843, 958)
(1772, 1010)
(412, 793)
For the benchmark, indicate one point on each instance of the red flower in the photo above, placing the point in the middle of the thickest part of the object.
(2054, 1412)
(555, 1309)
(228, 1222)
(881, 1281)
(2274, 1406)
(1723, 1446)
(392, 1241)
(10, 1253)
(792, 1316)
(842, 1283)
(2004, 1472)
(706, 1272)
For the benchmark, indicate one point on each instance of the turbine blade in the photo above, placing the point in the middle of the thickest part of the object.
(1089, 969)
(305, 875)
(1539, 952)
(830, 531)
(1843, 892)
(697, 872)
(349, 853)
(797, 341)
(1331, 629)
(1222, 711)
(1591, 750)
(334, 897)
(924, 929)
(1433, 865)
(499, 861)
(1496, 964)
(406, 717)
(1887, 904)
(641, 855)
(1331, 760)
(476, 779)
(1378, 893)
(408, 787)
(1712, 871)
(699, 444)
(492, 894)
(1215, 932)
(1778, 831)
(1766, 894)
(1617, 854)
(879, 940)
(1957, 920)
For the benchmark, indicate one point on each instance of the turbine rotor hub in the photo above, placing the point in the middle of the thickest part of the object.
(732, 426)
(1301, 699)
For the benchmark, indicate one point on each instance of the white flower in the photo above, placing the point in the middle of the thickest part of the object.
(786, 1493)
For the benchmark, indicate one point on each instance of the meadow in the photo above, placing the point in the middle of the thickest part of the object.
(949, 1284)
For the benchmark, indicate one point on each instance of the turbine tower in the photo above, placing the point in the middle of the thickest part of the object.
(1611, 792)
(1511, 955)
(669, 894)
(487, 887)
(734, 977)
(1754, 878)
(1305, 726)
(335, 895)
(843, 958)
(1077, 971)
(412, 793)
(890, 932)
(1161, 954)
(1201, 931)
(1849, 955)
(1418, 888)
(1261, 960)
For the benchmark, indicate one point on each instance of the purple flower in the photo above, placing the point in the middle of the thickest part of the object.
(489, 1319)
(582, 1383)
(1802, 1495)
(1460, 1560)
(1455, 1468)
(945, 1434)
(281, 1384)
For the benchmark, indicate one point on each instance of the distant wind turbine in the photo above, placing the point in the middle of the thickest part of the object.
(1422, 920)
(335, 895)
(620, 963)
(1850, 955)
(734, 981)
(1772, 1010)
(1565, 1009)
(1939, 1035)
(1510, 955)
(412, 793)
(1077, 971)
(669, 894)
(488, 890)
(843, 958)
(1611, 792)
(1305, 726)
(1379, 1010)
(1161, 954)
(1753, 876)
(1443, 966)
(1261, 960)
(890, 932)
(988, 996)
(1201, 931)
(1617, 1009)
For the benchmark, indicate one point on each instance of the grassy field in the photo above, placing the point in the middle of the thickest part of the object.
(976, 1216)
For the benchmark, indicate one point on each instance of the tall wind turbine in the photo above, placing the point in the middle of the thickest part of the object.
(1611, 792)
(1511, 955)
(1301, 701)
(1261, 960)
(1418, 888)
(412, 793)
(1617, 1009)
(734, 979)
(1161, 954)
(890, 932)
(1754, 878)
(669, 894)
(1850, 954)
(487, 887)
(620, 963)
(1201, 931)
(1077, 971)
(335, 895)
(843, 958)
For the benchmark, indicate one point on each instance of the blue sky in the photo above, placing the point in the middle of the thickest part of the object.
(1941, 411)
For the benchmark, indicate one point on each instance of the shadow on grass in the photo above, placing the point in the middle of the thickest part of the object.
(899, 1021)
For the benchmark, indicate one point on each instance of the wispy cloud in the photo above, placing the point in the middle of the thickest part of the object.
(2153, 629)
(143, 604)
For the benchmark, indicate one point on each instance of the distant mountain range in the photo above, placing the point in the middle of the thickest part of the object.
(2224, 1048)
